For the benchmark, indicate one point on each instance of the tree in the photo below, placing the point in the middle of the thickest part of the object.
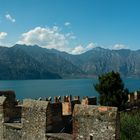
(111, 90)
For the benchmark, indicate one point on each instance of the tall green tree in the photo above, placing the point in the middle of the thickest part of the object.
(111, 90)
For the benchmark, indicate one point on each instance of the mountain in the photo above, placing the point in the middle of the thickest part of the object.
(51, 60)
(16, 64)
(99, 60)
(34, 62)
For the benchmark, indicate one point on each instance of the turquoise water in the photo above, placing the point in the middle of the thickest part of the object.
(46, 88)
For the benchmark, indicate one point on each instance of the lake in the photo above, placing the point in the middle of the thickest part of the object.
(46, 88)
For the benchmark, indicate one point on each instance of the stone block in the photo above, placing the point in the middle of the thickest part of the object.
(95, 122)
(66, 108)
(34, 119)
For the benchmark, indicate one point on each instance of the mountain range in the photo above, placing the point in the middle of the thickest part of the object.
(34, 62)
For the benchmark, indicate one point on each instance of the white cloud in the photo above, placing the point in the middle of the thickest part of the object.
(67, 23)
(118, 47)
(90, 46)
(10, 18)
(78, 50)
(3, 35)
(45, 37)
(71, 36)
(81, 49)
(53, 38)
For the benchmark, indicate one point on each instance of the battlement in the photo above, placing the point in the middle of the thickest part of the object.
(101, 123)
(44, 119)
(134, 97)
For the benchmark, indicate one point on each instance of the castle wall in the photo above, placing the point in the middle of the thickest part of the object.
(2, 101)
(34, 119)
(68, 104)
(89, 101)
(57, 120)
(58, 136)
(67, 108)
(12, 131)
(95, 123)
(43, 120)
(9, 105)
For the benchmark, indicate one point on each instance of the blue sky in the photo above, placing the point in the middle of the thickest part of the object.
(74, 26)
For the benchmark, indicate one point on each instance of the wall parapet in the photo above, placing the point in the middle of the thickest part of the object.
(43, 119)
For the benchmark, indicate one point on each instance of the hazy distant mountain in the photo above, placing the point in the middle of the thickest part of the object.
(99, 60)
(16, 64)
(34, 62)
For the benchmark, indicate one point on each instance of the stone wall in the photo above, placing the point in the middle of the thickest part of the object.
(58, 136)
(34, 119)
(57, 121)
(9, 105)
(9, 112)
(133, 99)
(68, 104)
(67, 108)
(95, 123)
(89, 101)
(44, 120)
(2, 101)
(12, 131)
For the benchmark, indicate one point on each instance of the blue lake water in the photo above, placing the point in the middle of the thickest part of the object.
(46, 88)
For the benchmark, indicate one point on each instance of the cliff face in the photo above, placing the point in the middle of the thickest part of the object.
(99, 60)
(34, 62)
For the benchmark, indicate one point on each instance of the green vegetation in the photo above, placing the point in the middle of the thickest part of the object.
(111, 90)
(113, 93)
(130, 125)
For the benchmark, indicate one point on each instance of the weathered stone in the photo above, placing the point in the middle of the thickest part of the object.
(56, 111)
(2, 101)
(95, 122)
(12, 131)
(66, 108)
(58, 136)
(40, 117)
(34, 118)
(89, 101)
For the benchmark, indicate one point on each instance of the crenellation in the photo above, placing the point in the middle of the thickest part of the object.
(101, 122)
(76, 98)
(56, 111)
(89, 101)
(134, 99)
(55, 99)
(59, 99)
(34, 119)
(45, 120)
(49, 99)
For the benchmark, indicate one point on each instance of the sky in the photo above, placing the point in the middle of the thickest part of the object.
(74, 26)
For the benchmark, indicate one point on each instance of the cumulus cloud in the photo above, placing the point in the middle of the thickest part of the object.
(81, 49)
(119, 46)
(52, 37)
(67, 23)
(78, 50)
(45, 37)
(10, 18)
(3, 35)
